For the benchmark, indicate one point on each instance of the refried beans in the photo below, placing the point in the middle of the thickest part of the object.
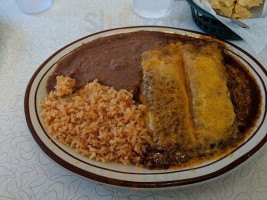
(113, 60)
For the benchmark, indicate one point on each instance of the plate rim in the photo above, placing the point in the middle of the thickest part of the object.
(134, 184)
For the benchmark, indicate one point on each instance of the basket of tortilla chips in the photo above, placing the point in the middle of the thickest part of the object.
(238, 9)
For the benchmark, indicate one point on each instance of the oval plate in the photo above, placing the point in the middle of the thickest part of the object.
(130, 176)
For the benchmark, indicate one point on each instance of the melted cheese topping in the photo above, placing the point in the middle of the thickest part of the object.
(212, 109)
(164, 92)
(185, 89)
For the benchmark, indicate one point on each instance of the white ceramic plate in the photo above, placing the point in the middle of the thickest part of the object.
(130, 176)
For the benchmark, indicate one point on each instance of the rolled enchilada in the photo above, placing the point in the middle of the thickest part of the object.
(164, 92)
(211, 106)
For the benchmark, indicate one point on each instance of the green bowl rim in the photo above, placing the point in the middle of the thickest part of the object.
(196, 7)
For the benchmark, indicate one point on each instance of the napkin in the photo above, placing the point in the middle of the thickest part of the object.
(255, 35)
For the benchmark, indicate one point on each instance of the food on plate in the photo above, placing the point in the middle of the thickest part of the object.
(173, 100)
(239, 9)
(97, 121)
(114, 64)
(164, 92)
(191, 82)
(211, 106)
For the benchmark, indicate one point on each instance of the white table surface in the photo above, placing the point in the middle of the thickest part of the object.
(25, 42)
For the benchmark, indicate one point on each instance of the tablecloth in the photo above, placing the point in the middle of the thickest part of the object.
(28, 40)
